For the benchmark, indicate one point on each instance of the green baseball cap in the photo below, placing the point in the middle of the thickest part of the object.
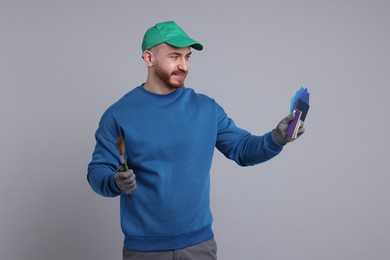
(168, 32)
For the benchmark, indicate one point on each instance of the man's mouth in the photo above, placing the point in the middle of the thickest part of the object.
(179, 75)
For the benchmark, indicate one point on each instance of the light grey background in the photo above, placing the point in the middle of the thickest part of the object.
(326, 196)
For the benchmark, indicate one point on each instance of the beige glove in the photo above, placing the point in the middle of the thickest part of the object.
(125, 181)
(280, 132)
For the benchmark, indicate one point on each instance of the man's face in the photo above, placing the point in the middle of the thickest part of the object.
(171, 65)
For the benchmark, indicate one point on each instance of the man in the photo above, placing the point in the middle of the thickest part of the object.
(170, 134)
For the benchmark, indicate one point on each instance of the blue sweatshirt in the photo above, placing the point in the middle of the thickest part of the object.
(170, 141)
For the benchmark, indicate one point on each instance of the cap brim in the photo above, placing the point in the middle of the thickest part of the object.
(181, 42)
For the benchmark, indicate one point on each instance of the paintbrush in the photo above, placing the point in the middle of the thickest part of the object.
(120, 145)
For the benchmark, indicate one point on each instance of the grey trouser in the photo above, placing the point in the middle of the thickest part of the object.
(203, 251)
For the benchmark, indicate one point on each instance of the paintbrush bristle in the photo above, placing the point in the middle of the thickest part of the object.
(120, 145)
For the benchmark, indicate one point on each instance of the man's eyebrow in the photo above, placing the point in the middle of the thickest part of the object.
(179, 53)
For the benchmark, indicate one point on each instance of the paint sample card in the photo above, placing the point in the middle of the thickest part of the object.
(299, 105)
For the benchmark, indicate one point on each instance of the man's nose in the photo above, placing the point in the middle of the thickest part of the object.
(184, 64)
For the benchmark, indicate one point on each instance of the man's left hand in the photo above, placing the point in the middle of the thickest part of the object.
(280, 132)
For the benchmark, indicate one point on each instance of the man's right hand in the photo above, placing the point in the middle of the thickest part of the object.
(125, 181)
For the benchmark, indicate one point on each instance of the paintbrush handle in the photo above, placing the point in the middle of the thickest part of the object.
(124, 165)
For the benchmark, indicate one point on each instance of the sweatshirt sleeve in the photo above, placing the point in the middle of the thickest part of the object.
(105, 161)
(240, 145)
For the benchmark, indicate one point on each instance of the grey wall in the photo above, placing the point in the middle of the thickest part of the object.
(62, 63)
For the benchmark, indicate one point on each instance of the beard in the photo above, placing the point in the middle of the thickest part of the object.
(172, 80)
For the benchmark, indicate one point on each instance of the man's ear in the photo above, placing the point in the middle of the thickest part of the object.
(148, 58)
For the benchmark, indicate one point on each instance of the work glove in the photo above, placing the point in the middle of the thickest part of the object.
(280, 132)
(125, 180)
